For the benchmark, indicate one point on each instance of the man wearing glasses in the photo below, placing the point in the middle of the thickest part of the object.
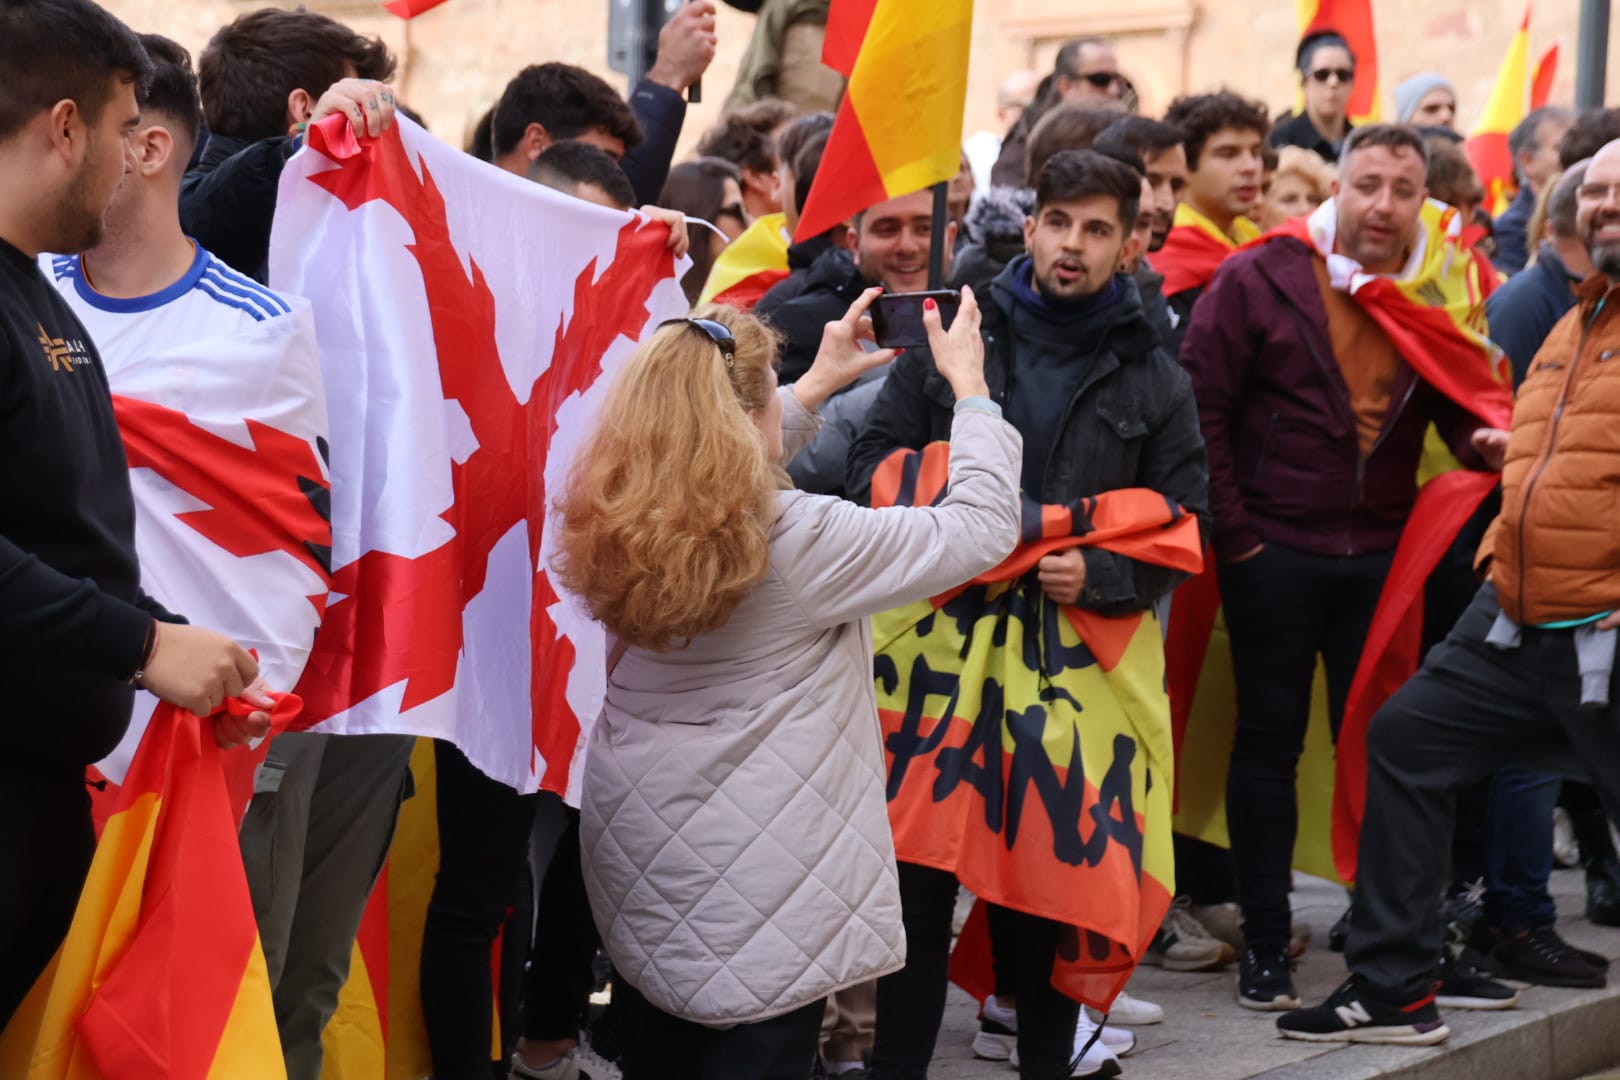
(1327, 70)
(1085, 72)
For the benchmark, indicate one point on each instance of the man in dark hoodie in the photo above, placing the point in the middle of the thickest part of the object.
(1075, 364)
(799, 151)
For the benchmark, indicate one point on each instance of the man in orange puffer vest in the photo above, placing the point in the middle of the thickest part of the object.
(1526, 675)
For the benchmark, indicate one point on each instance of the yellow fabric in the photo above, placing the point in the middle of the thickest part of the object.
(909, 87)
(250, 1046)
(762, 246)
(1505, 108)
(1245, 229)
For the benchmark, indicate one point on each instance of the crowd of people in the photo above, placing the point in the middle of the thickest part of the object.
(1275, 325)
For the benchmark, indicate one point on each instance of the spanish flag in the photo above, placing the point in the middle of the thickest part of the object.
(1195, 248)
(1507, 105)
(899, 128)
(750, 265)
(161, 974)
(1541, 81)
(1353, 21)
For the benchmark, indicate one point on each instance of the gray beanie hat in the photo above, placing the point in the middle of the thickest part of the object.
(1414, 90)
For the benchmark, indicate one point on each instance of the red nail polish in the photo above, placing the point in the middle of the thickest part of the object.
(929, 304)
(899, 352)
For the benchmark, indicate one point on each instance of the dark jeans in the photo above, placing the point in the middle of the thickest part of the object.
(911, 1002)
(45, 849)
(483, 878)
(565, 943)
(1283, 609)
(669, 1048)
(1519, 850)
(1469, 711)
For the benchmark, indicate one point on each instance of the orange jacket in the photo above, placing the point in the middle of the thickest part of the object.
(1554, 551)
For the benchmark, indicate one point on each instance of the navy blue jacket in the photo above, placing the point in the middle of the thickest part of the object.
(1522, 312)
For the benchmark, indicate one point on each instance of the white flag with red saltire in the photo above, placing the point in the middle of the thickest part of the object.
(468, 323)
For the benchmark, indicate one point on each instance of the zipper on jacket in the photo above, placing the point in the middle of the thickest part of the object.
(1390, 420)
(1547, 446)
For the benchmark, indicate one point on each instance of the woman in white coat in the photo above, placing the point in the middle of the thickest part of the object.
(734, 828)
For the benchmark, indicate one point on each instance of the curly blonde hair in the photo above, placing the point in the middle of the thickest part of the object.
(665, 520)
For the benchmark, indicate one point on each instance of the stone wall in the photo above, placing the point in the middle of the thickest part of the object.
(455, 59)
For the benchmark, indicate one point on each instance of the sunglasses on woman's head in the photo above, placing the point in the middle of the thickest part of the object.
(715, 331)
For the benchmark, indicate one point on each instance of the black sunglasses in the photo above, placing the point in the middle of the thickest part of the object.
(715, 332)
(1102, 80)
(1322, 75)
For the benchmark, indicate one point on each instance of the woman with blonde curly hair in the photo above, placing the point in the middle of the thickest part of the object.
(735, 831)
(1301, 182)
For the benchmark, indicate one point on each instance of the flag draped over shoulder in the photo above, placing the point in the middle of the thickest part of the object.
(1028, 742)
(1195, 249)
(1504, 109)
(469, 322)
(1353, 21)
(899, 127)
(161, 973)
(750, 265)
(1434, 315)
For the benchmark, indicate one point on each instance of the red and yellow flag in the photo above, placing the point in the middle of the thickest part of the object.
(1541, 80)
(1353, 21)
(1028, 741)
(410, 9)
(1195, 248)
(750, 265)
(161, 973)
(1507, 105)
(899, 128)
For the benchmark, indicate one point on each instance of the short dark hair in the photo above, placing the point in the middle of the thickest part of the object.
(798, 134)
(173, 91)
(739, 142)
(806, 166)
(1067, 61)
(1068, 126)
(566, 165)
(480, 144)
(1201, 115)
(1318, 40)
(1139, 133)
(1390, 136)
(1079, 174)
(766, 115)
(55, 50)
(1592, 131)
(1526, 132)
(253, 63)
(565, 100)
(1449, 175)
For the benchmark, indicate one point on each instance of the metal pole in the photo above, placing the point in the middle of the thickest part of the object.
(1592, 54)
(936, 239)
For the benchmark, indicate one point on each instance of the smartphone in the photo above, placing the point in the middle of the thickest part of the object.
(897, 318)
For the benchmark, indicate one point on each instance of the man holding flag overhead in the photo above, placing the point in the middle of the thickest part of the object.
(1319, 359)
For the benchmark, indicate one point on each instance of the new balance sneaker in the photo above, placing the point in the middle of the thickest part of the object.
(997, 1039)
(1466, 983)
(1182, 944)
(1128, 1011)
(1266, 980)
(1542, 958)
(1352, 1015)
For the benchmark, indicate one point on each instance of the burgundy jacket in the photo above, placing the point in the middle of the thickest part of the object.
(1285, 463)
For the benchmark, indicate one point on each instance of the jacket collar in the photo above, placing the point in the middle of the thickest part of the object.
(1595, 288)
(220, 149)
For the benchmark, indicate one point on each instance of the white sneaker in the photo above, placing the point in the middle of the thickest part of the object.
(997, 1040)
(1183, 944)
(1098, 1061)
(1130, 1012)
(1115, 1039)
(580, 1063)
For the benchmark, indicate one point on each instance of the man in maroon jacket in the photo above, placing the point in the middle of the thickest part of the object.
(1315, 426)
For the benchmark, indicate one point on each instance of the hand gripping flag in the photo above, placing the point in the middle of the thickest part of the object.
(899, 127)
(1195, 249)
(1028, 742)
(1353, 21)
(1504, 109)
(161, 973)
(466, 321)
(1434, 315)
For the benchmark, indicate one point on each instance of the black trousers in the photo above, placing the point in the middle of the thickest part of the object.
(565, 943)
(482, 885)
(1284, 608)
(911, 1002)
(669, 1048)
(46, 845)
(1471, 709)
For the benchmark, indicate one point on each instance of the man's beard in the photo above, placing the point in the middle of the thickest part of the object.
(1606, 258)
(1061, 300)
(79, 225)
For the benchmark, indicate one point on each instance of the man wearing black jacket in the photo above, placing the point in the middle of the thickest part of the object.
(78, 634)
(1075, 364)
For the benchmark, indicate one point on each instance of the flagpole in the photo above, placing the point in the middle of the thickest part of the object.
(936, 241)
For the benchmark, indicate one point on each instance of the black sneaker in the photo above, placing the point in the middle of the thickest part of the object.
(1352, 1015)
(1466, 984)
(1542, 958)
(1266, 981)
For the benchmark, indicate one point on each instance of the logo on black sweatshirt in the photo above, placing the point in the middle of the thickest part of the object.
(63, 354)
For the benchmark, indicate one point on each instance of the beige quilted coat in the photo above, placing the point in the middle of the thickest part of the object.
(735, 832)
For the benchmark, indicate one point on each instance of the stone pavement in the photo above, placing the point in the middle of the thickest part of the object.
(1552, 1035)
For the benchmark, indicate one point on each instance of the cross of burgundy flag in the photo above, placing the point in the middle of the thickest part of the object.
(468, 323)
